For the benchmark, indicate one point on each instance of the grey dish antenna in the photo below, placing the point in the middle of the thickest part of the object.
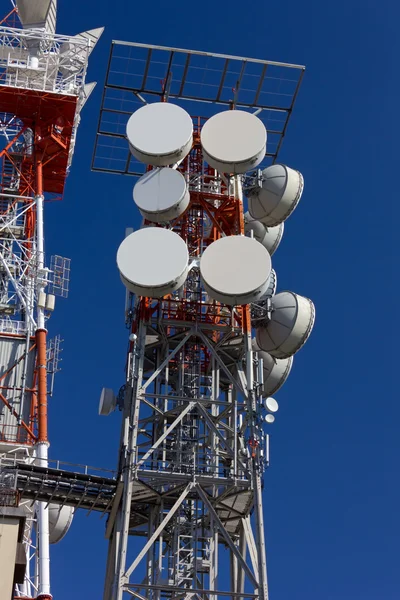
(272, 285)
(275, 371)
(234, 141)
(161, 195)
(153, 262)
(276, 197)
(160, 134)
(269, 237)
(108, 402)
(289, 327)
(60, 520)
(235, 270)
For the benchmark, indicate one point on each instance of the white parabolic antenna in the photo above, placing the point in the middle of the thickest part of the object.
(153, 262)
(60, 519)
(291, 323)
(275, 371)
(271, 405)
(161, 195)
(107, 402)
(278, 196)
(234, 141)
(269, 418)
(160, 134)
(272, 285)
(269, 237)
(235, 270)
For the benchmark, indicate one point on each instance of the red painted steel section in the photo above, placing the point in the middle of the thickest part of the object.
(51, 116)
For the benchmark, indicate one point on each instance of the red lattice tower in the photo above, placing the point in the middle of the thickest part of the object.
(42, 91)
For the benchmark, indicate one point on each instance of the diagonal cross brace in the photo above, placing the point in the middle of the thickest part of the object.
(212, 426)
(135, 594)
(166, 361)
(166, 433)
(226, 536)
(221, 364)
(159, 529)
(251, 544)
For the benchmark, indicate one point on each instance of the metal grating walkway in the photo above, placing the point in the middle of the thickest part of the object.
(61, 487)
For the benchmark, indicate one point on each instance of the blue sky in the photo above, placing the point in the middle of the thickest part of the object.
(332, 492)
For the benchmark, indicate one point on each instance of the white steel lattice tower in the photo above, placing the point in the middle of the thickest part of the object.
(193, 446)
(42, 91)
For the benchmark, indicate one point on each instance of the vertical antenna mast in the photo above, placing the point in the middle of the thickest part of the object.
(210, 340)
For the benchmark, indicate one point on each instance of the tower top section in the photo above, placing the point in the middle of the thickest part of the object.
(35, 59)
(42, 82)
(203, 83)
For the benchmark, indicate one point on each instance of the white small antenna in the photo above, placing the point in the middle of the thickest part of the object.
(271, 405)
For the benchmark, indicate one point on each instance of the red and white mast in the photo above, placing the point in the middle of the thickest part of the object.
(42, 91)
(209, 339)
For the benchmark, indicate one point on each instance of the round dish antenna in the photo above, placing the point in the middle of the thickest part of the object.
(277, 197)
(272, 285)
(107, 402)
(161, 195)
(269, 237)
(234, 141)
(271, 405)
(160, 134)
(275, 371)
(269, 418)
(60, 519)
(291, 323)
(235, 270)
(153, 262)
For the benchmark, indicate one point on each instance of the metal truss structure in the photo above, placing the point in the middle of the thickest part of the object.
(42, 91)
(39, 110)
(63, 484)
(193, 450)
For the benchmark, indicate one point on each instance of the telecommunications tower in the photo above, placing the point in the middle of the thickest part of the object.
(42, 92)
(209, 338)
